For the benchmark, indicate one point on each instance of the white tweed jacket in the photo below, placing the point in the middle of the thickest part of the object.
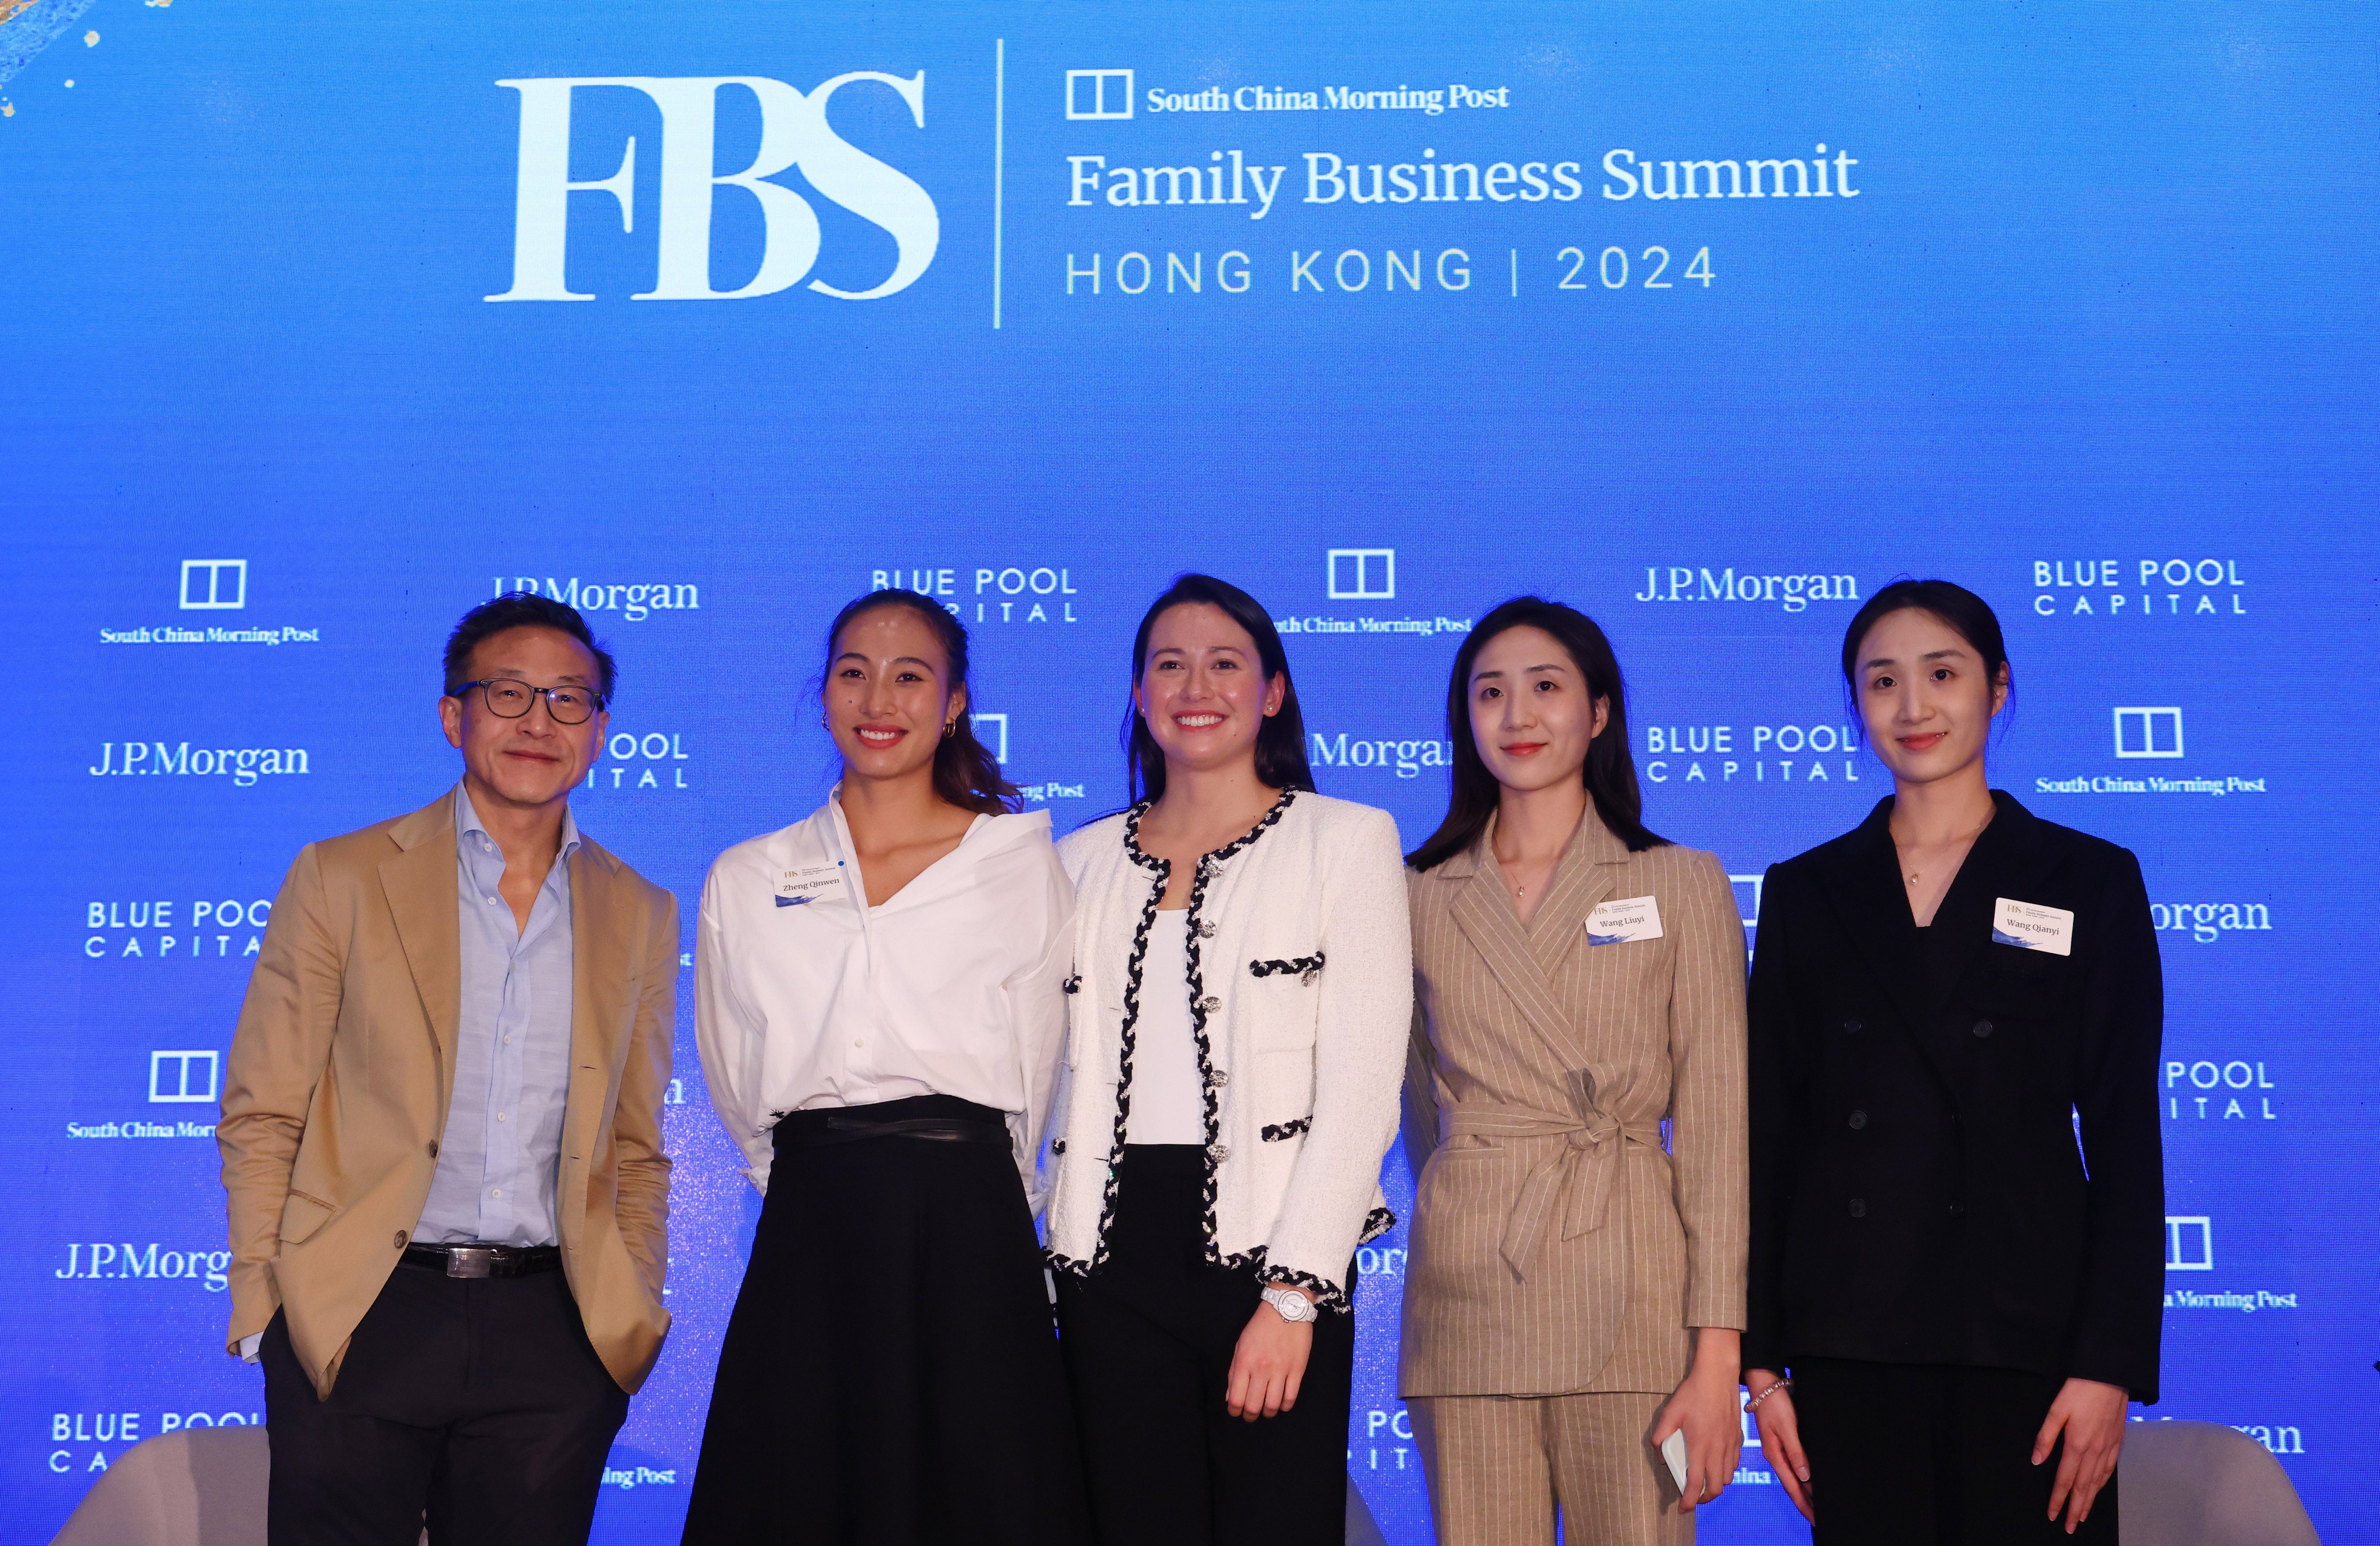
(1301, 994)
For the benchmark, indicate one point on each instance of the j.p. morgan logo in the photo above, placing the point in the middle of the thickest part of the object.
(1687, 583)
(633, 602)
(210, 585)
(795, 135)
(242, 764)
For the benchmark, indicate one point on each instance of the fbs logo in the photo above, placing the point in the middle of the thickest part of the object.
(794, 133)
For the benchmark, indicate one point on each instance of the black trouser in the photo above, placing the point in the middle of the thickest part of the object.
(476, 1402)
(1149, 1338)
(1906, 1454)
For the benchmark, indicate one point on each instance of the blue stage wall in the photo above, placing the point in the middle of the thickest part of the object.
(2075, 306)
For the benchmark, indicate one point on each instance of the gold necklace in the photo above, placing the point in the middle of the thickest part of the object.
(1964, 843)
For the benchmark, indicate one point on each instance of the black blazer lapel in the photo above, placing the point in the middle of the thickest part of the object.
(1873, 911)
(2009, 859)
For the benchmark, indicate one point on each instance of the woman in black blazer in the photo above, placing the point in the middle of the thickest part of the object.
(1957, 1198)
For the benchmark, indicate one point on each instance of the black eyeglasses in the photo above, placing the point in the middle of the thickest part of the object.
(509, 699)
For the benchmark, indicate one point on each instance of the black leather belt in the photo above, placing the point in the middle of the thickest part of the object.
(849, 1126)
(485, 1261)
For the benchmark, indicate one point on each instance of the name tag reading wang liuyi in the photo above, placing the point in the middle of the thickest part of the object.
(2030, 926)
(798, 886)
(1634, 918)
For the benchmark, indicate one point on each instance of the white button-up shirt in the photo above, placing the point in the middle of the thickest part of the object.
(807, 997)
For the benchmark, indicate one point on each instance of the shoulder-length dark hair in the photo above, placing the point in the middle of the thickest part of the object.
(965, 772)
(1611, 771)
(1280, 741)
(1961, 611)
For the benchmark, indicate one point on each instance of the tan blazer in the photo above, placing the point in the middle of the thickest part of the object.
(1556, 1247)
(343, 1068)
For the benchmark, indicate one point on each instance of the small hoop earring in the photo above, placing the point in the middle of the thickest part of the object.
(951, 729)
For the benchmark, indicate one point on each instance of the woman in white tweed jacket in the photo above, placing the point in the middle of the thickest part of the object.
(1242, 992)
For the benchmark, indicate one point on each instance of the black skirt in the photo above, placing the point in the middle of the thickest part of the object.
(891, 1374)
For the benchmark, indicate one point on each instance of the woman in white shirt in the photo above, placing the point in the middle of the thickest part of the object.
(877, 997)
(1244, 984)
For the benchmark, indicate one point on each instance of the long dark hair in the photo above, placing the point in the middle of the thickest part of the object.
(1961, 611)
(1280, 740)
(1611, 771)
(965, 772)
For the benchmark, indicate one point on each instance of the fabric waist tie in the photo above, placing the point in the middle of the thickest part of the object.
(1578, 1176)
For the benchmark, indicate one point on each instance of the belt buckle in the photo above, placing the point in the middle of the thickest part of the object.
(471, 1261)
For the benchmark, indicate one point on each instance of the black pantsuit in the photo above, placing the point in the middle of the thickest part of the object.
(481, 1395)
(1955, 1146)
(890, 1375)
(1904, 1452)
(1149, 1338)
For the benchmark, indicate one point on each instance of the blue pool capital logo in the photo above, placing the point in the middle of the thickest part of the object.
(794, 133)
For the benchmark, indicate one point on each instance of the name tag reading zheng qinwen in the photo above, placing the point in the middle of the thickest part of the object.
(2030, 926)
(1634, 918)
(798, 886)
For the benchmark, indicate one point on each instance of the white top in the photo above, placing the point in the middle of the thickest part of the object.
(806, 997)
(1169, 1098)
(1304, 976)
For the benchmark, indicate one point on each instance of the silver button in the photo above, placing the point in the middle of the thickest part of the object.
(1222, 1151)
(1222, 1078)
(1210, 1003)
(1205, 930)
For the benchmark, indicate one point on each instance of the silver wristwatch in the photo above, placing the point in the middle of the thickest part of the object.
(1292, 1304)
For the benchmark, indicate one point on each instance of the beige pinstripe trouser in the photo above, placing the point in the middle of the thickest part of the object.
(1499, 1465)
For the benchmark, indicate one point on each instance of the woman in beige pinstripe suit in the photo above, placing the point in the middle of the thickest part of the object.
(1576, 1289)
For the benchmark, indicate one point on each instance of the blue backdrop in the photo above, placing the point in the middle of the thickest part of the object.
(1708, 322)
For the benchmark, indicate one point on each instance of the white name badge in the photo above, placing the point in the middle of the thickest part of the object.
(798, 886)
(1634, 918)
(2030, 926)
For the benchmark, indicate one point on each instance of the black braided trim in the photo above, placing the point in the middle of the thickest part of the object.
(1326, 1295)
(1307, 968)
(1279, 1132)
(1377, 1223)
(1199, 1002)
(1163, 871)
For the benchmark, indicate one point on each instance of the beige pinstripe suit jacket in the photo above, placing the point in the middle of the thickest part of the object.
(1556, 1247)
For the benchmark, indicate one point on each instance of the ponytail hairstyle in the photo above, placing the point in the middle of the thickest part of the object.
(1958, 608)
(1611, 771)
(1280, 740)
(965, 772)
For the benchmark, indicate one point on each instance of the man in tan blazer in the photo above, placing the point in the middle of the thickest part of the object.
(442, 1131)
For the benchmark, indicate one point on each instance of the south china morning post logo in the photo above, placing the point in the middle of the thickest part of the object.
(990, 727)
(2139, 589)
(211, 585)
(1363, 578)
(795, 137)
(2151, 735)
(2190, 1247)
(178, 1077)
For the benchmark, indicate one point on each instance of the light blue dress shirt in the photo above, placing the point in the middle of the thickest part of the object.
(500, 1157)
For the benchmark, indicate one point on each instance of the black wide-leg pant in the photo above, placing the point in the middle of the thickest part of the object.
(1932, 1454)
(478, 1402)
(890, 1376)
(1149, 1338)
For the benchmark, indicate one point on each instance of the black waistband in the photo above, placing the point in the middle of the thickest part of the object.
(935, 1118)
(485, 1261)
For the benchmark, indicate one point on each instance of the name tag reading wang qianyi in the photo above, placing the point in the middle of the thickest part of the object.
(798, 886)
(2030, 926)
(1634, 918)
